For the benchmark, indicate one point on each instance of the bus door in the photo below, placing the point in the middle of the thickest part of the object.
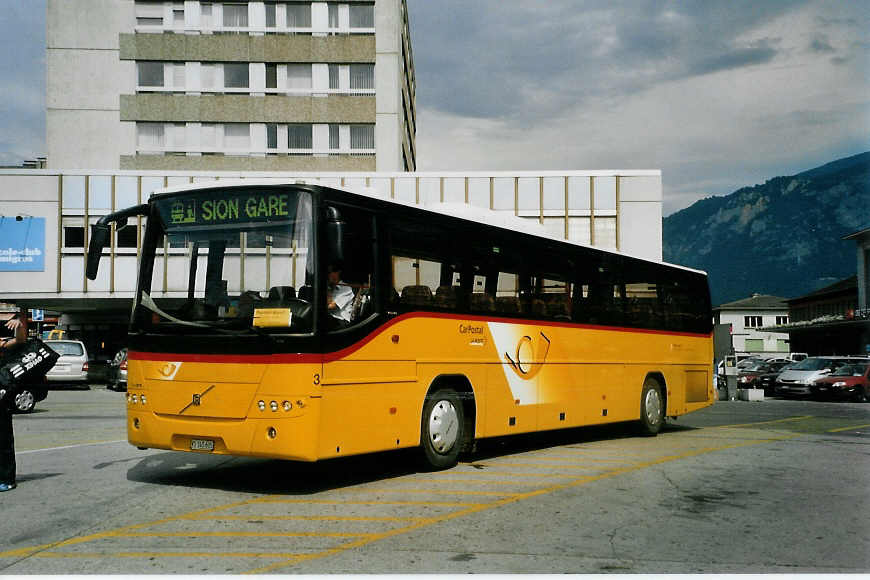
(365, 381)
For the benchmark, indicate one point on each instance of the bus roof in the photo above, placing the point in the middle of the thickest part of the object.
(461, 211)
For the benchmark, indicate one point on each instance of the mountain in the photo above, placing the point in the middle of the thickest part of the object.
(782, 237)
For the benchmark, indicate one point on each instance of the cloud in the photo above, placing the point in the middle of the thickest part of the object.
(717, 95)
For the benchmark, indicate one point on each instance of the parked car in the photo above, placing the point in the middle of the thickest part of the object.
(118, 371)
(761, 375)
(767, 380)
(799, 378)
(848, 381)
(72, 366)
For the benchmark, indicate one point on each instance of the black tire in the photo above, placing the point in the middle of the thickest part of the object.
(860, 394)
(442, 429)
(24, 401)
(652, 407)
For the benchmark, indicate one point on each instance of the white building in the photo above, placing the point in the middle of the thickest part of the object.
(230, 86)
(746, 317)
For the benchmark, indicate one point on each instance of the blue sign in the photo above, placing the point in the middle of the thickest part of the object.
(22, 244)
(37, 315)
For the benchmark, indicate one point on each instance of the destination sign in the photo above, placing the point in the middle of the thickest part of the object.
(224, 208)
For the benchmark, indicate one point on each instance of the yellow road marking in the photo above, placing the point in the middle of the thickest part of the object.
(376, 502)
(772, 421)
(309, 518)
(168, 555)
(488, 466)
(497, 464)
(238, 534)
(289, 559)
(41, 550)
(848, 428)
(485, 481)
(508, 500)
(432, 491)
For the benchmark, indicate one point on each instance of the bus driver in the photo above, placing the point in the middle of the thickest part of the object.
(339, 301)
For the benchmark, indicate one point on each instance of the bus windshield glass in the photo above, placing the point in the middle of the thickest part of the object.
(247, 263)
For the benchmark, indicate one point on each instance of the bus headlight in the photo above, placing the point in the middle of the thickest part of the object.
(274, 406)
(261, 405)
(288, 405)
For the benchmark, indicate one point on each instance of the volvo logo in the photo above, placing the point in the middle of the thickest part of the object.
(196, 400)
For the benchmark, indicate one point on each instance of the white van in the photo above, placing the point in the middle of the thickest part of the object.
(72, 366)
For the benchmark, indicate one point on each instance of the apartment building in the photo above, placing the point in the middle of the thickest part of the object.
(230, 86)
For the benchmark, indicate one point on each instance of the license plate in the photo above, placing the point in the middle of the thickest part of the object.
(201, 445)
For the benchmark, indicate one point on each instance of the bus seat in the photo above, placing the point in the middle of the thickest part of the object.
(281, 293)
(445, 297)
(416, 295)
(482, 302)
(305, 293)
(508, 304)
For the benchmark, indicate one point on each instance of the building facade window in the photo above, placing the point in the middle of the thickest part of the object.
(298, 15)
(362, 15)
(149, 136)
(236, 75)
(362, 76)
(237, 137)
(752, 321)
(271, 75)
(235, 15)
(299, 136)
(149, 73)
(152, 16)
(362, 136)
(781, 320)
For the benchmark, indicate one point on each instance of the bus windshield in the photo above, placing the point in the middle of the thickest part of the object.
(248, 263)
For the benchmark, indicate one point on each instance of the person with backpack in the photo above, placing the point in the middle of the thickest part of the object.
(7, 439)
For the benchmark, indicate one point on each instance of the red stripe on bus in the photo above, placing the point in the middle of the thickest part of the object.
(313, 358)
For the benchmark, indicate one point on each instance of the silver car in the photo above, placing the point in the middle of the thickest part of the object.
(798, 379)
(72, 366)
(118, 371)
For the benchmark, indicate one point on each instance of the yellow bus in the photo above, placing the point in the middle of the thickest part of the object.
(319, 322)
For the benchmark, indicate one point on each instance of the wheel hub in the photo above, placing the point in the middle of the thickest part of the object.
(24, 401)
(443, 426)
(653, 406)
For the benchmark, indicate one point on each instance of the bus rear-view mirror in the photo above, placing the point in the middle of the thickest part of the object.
(99, 240)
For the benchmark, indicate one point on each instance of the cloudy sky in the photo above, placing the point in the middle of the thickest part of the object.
(718, 95)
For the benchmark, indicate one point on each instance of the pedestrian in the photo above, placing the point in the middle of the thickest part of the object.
(7, 439)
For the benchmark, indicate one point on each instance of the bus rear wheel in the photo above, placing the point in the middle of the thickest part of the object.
(442, 429)
(652, 407)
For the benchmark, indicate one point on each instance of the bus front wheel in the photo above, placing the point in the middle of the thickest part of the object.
(442, 429)
(652, 407)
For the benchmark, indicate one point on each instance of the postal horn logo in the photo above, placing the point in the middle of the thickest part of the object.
(528, 359)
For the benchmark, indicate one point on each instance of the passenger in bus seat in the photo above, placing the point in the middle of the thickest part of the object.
(339, 298)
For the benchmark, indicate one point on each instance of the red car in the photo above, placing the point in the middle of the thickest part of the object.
(851, 380)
